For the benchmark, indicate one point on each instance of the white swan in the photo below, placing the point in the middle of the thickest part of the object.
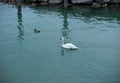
(68, 45)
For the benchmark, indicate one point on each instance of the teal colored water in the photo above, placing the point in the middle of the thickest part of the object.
(28, 57)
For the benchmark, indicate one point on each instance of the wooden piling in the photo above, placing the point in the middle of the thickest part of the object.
(65, 3)
(19, 2)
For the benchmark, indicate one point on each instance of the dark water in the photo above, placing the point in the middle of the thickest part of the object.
(28, 57)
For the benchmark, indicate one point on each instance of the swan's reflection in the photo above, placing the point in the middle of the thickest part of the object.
(20, 27)
(62, 51)
(65, 29)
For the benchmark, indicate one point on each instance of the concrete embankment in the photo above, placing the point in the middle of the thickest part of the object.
(75, 1)
(94, 3)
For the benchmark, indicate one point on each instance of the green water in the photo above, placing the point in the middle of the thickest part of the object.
(28, 57)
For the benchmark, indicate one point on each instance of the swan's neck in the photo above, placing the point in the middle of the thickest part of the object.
(62, 41)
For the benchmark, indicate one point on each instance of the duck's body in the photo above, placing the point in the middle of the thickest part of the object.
(68, 45)
(36, 31)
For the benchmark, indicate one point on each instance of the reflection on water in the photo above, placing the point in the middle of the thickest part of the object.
(65, 29)
(20, 25)
(20, 28)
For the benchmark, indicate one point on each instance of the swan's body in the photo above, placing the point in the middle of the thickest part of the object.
(68, 45)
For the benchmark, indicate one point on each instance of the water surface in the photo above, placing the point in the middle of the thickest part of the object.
(28, 57)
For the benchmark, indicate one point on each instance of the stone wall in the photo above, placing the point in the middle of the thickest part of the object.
(85, 1)
(72, 1)
(116, 1)
(102, 1)
(43, 0)
(98, 1)
(81, 1)
(54, 1)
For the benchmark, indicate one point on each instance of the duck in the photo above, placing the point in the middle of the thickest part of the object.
(36, 31)
(68, 45)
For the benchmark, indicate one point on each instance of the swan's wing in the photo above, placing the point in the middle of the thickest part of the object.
(73, 46)
(70, 46)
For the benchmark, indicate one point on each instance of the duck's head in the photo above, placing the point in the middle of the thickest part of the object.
(34, 29)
